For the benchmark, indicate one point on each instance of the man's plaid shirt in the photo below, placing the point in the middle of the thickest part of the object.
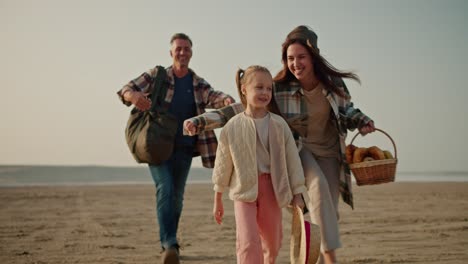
(205, 97)
(292, 105)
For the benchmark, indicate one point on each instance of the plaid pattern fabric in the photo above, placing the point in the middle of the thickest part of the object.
(292, 104)
(205, 97)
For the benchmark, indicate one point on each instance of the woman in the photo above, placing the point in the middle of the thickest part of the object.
(315, 102)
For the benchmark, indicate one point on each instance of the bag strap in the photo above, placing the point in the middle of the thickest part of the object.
(159, 91)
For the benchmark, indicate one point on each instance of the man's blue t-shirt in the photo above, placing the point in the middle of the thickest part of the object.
(183, 107)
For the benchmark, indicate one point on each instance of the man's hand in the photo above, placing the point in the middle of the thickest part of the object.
(139, 99)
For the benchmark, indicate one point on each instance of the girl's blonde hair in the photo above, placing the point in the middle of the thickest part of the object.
(245, 76)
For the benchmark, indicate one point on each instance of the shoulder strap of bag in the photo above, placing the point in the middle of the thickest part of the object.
(159, 91)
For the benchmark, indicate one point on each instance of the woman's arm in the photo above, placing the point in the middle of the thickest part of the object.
(352, 117)
(211, 120)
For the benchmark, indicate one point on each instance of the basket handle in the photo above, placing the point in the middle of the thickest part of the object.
(385, 133)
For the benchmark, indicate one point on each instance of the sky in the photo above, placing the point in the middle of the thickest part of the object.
(62, 63)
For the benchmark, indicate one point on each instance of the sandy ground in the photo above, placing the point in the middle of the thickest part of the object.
(392, 223)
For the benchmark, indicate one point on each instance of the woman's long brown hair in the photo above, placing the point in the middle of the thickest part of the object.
(324, 71)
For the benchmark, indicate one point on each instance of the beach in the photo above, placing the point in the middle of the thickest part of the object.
(401, 222)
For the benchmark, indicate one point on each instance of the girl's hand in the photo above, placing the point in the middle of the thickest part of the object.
(218, 209)
(367, 128)
(189, 128)
(298, 201)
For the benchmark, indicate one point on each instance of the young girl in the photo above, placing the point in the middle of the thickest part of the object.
(313, 98)
(258, 161)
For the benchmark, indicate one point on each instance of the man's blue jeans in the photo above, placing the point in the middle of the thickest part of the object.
(170, 178)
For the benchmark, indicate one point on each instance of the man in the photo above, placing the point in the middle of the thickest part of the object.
(188, 95)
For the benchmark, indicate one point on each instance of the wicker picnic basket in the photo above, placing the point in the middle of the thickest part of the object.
(376, 171)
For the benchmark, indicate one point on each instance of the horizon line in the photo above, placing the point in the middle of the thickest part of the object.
(198, 167)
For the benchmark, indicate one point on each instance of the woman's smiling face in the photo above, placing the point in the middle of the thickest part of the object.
(299, 61)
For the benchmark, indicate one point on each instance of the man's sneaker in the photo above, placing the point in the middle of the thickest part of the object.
(170, 256)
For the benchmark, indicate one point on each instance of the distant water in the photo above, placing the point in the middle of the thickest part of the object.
(97, 175)
(85, 175)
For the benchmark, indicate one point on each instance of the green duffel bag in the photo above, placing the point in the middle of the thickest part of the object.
(150, 134)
